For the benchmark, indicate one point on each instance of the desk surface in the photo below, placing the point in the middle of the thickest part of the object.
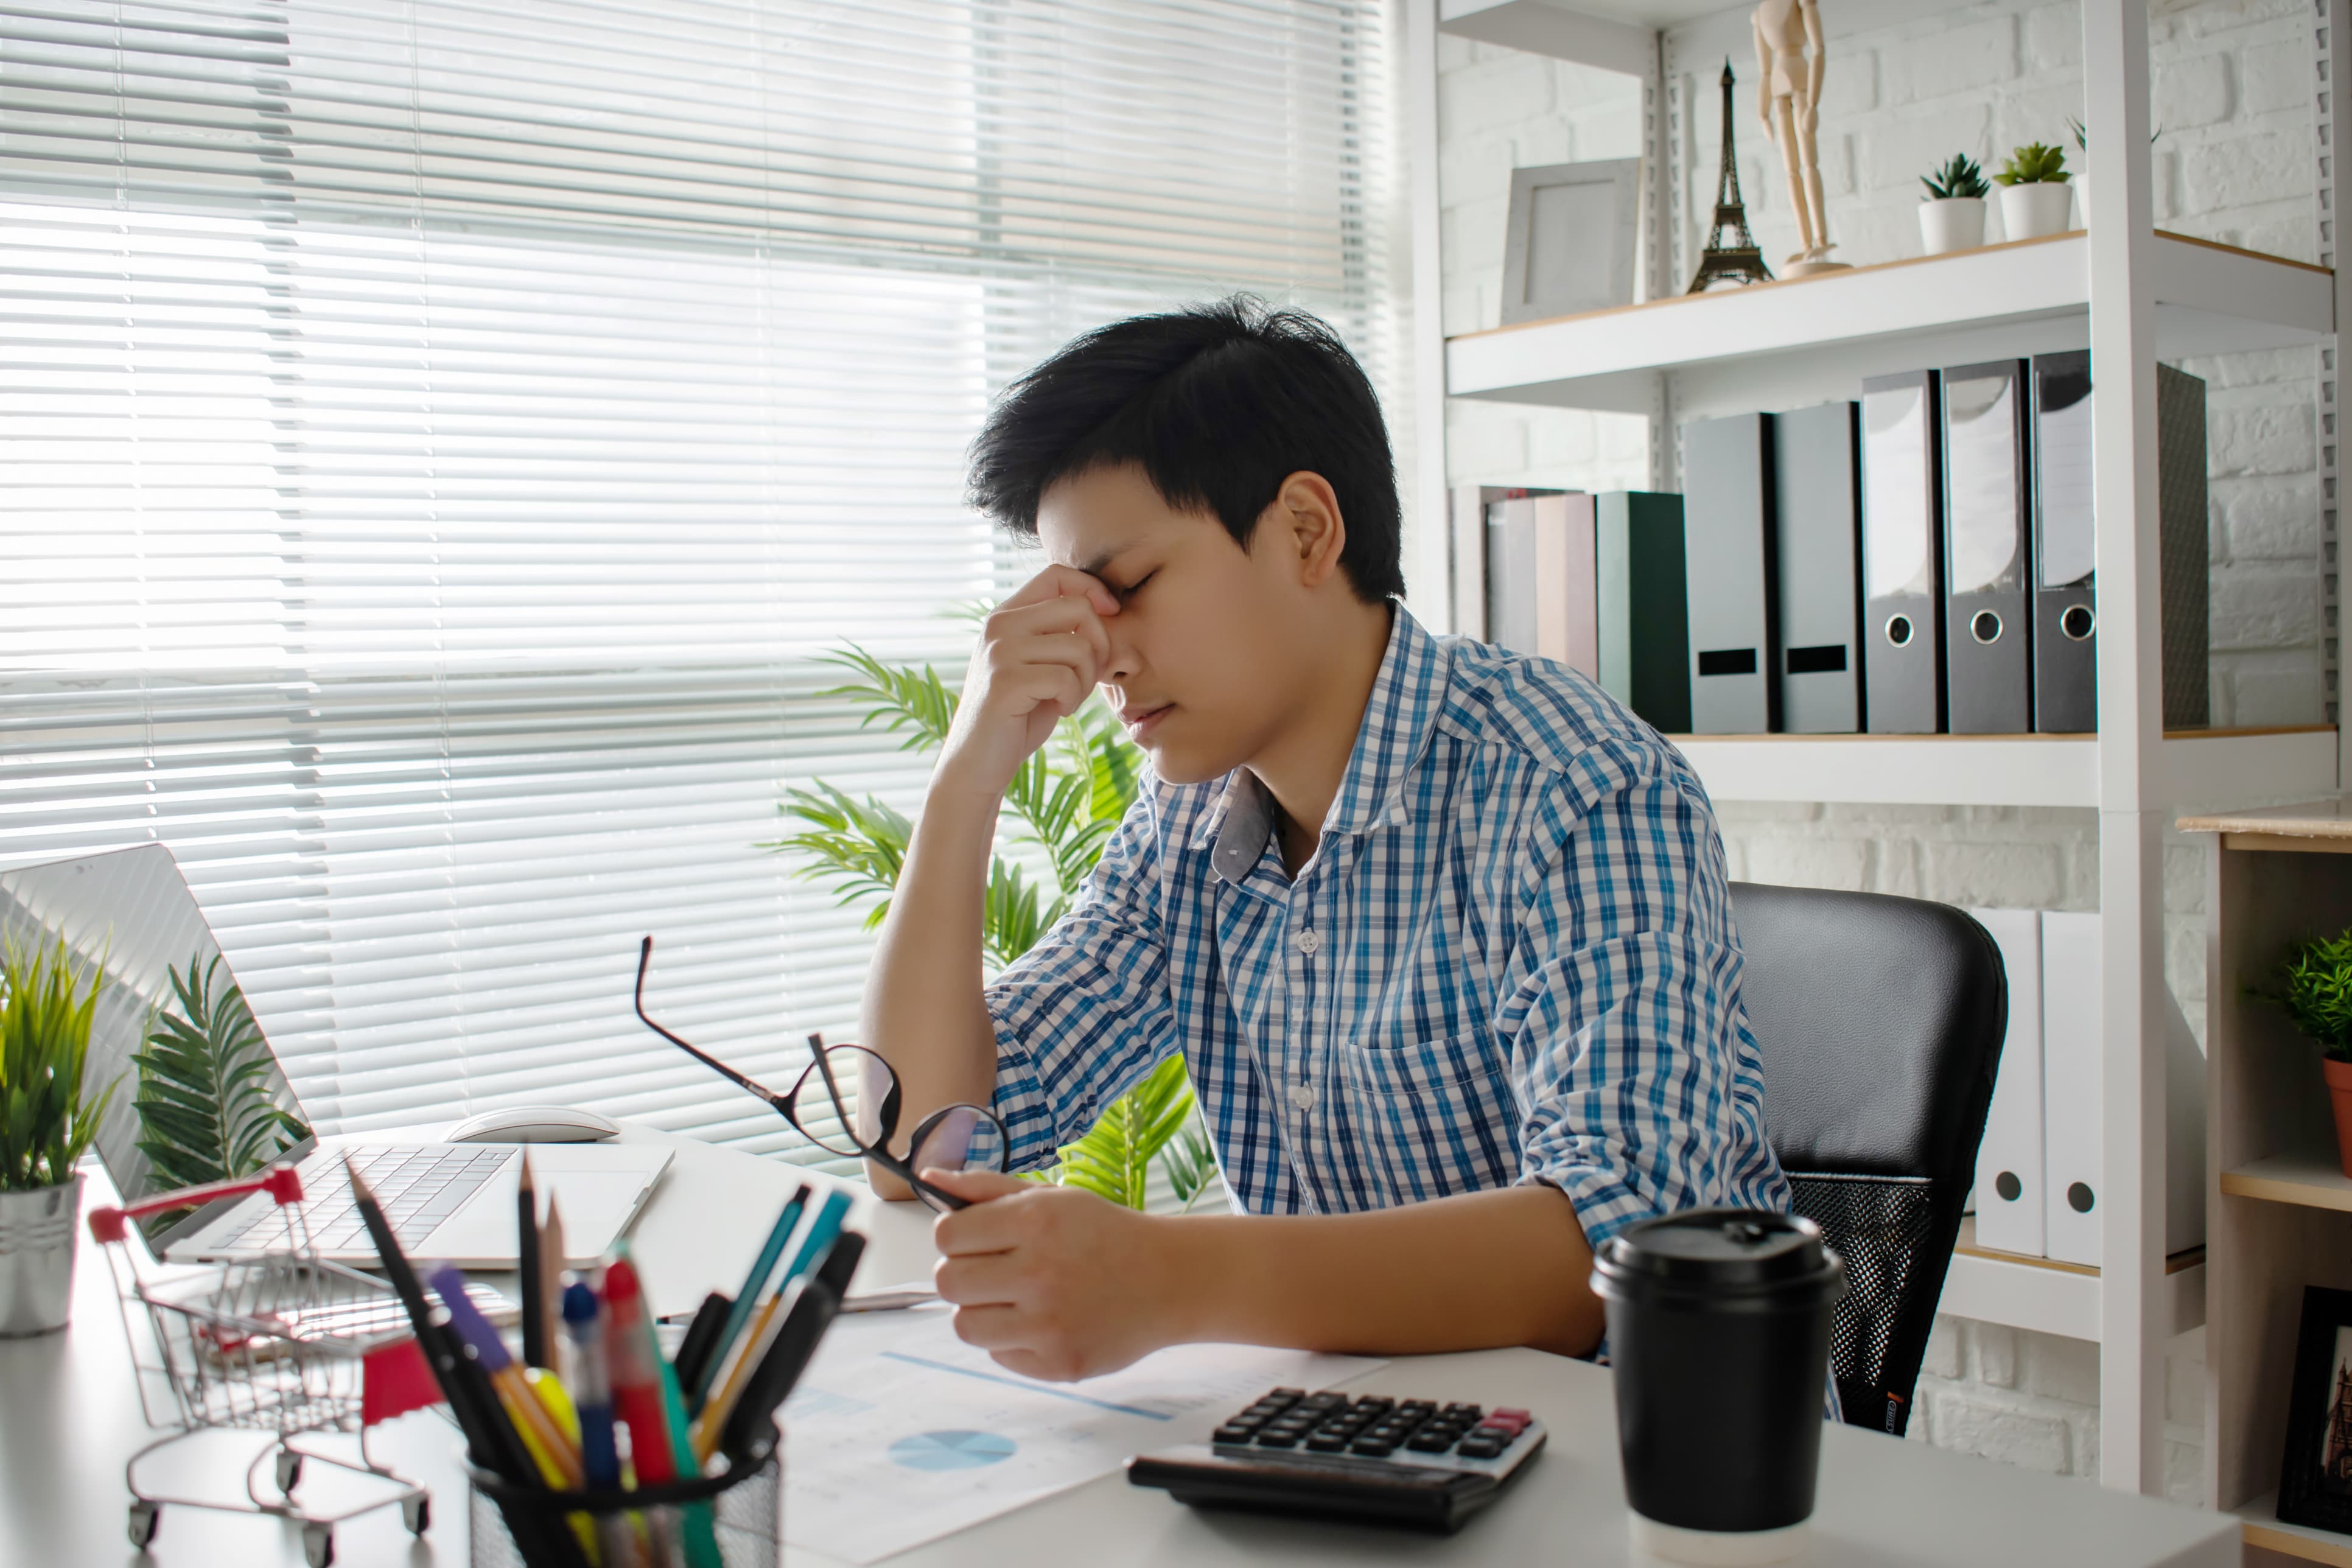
(71, 1418)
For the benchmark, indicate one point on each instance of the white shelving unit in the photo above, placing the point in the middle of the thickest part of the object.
(2131, 294)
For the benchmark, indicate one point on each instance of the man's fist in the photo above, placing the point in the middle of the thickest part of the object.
(1040, 654)
(1054, 1282)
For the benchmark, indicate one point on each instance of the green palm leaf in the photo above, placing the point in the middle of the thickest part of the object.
(1114, 1157)
(858, 847)
(915, 702)
(207, 1112)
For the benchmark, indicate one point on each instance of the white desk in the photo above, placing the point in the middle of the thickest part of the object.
(69, 1417)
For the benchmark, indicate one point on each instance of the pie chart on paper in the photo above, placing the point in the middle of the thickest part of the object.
(951, 1450)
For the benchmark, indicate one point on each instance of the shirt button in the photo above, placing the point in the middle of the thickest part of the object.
(1302, 1096)
(1307, 940)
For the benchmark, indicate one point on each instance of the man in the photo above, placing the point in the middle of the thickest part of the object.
(1441, 934)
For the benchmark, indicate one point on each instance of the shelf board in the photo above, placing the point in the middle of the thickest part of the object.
(2262, 1527)
(2000, 770)
(2313, 1181)
(2051, 1296)
(1892, 316)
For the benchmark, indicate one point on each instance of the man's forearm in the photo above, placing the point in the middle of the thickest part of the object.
(1507, 1268)
(924, 1011)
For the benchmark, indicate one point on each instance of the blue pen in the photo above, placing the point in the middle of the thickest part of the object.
(592, 1401)
(821, 1232)
(755, 1285)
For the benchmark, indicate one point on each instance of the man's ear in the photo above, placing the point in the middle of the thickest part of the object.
(1304, 520)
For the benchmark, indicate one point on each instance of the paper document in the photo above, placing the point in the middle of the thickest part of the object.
(901, 1433)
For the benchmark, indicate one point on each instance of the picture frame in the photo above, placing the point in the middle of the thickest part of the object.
(1570, 241)
(2315, 1472)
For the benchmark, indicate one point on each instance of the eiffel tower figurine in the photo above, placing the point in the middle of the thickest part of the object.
(1731, 250)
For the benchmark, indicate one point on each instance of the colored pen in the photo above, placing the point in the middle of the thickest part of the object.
(637, 1403)
(701, 1333)
(557, 1457)
(821, 1232)
(818, 1300)
(591, 1389)
(755, 1285)
(536, 1351)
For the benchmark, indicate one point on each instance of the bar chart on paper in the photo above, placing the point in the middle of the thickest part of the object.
(901, 1433)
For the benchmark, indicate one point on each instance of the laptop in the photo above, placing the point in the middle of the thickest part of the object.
(129, 915)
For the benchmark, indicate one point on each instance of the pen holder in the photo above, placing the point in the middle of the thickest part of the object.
(744, 1504)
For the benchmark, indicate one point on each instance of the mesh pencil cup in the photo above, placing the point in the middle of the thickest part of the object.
(528, 1527)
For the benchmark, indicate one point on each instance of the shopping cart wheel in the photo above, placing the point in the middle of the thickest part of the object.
(289, 1469)
(417, 1512)
(144, 1517)
(318, 1545)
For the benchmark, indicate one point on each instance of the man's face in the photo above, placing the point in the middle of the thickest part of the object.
(1202, 662)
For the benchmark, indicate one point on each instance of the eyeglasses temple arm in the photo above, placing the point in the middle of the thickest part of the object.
(749, 1086)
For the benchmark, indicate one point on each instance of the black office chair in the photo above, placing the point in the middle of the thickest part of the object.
(1880, 1022)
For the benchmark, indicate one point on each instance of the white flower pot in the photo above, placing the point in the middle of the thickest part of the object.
(2029, 212)
(2081, 183)
(1954, 223)
(37, 1253)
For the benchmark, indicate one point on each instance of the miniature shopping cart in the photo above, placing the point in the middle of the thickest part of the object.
(280, 1342)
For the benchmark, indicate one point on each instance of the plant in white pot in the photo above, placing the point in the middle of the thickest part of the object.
(46, 1125)
(2035, 199)
(1952, 218)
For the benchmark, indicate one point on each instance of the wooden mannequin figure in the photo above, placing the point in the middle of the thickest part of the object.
(1789, 50)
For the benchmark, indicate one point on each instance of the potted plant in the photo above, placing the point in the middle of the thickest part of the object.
(2313, 985)
(2082, 180)
(46, 1125)
(1068, 798)
(1952, 218)
(2035, 199)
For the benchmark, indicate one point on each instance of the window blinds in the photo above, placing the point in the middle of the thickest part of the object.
(445, 437)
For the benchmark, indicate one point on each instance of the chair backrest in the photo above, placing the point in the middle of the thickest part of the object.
(1880, 1022)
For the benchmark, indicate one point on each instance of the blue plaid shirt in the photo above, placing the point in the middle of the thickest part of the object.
(1510, 960)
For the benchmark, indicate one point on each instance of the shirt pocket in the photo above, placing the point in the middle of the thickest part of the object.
(1438, 1116)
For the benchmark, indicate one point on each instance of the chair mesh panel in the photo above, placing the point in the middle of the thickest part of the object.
(1882, 1227)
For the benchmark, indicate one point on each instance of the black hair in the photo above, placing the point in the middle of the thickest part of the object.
(1218, 403)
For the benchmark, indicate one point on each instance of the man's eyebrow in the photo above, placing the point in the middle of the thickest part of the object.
(1095, 567)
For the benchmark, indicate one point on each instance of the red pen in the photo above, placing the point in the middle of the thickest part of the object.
(637, 1382)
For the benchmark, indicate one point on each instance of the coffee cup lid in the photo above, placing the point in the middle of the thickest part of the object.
(1720, 1251)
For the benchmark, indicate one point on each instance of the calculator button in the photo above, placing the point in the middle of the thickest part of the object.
(1326, 1443)
(1371, 1448)
(1272, 1439)
(1234, 1434)
(1477, 1448)
(1521, 1416)
(1431, 1442)
(1374, 1402)
(1470, 1411)
(1289, 1393)
(1323, 1402)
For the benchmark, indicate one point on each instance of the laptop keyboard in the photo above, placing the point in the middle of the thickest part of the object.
(417, 1188)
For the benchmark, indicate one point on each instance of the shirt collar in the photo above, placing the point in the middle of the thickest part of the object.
(1400, 717)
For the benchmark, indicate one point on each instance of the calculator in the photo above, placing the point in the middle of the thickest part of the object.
(1408, 1463)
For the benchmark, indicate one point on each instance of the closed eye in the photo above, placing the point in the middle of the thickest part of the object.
(1136, 587)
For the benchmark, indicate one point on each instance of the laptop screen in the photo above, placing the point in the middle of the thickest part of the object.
(200, 1097)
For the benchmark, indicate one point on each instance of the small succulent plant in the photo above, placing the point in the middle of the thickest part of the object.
(1959, 178)
(2033, 165)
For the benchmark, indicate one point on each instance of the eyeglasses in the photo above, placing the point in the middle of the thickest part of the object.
(954, 1137)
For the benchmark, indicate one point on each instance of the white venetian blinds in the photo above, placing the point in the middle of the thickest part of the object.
(442, 439)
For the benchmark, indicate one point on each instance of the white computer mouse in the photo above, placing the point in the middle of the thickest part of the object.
(534, 1124)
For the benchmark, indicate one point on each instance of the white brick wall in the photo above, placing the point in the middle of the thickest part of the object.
(2235, 99)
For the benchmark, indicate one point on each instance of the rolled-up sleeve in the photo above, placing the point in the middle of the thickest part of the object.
(1629, 1042)
(1085, 1014)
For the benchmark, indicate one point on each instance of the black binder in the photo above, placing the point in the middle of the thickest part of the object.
(1987, 663)
(1818, 512)
(1902, 562)
(1729, 566)
(2065, 548)
(1644, 631)
(2065, 582)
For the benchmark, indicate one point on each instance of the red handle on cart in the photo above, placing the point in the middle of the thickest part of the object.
(281, 1182)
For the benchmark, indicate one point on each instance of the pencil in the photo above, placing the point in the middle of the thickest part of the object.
(550, 1280)
(536, 1351)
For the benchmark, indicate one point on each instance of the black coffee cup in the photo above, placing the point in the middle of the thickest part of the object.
(1719, 1334)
